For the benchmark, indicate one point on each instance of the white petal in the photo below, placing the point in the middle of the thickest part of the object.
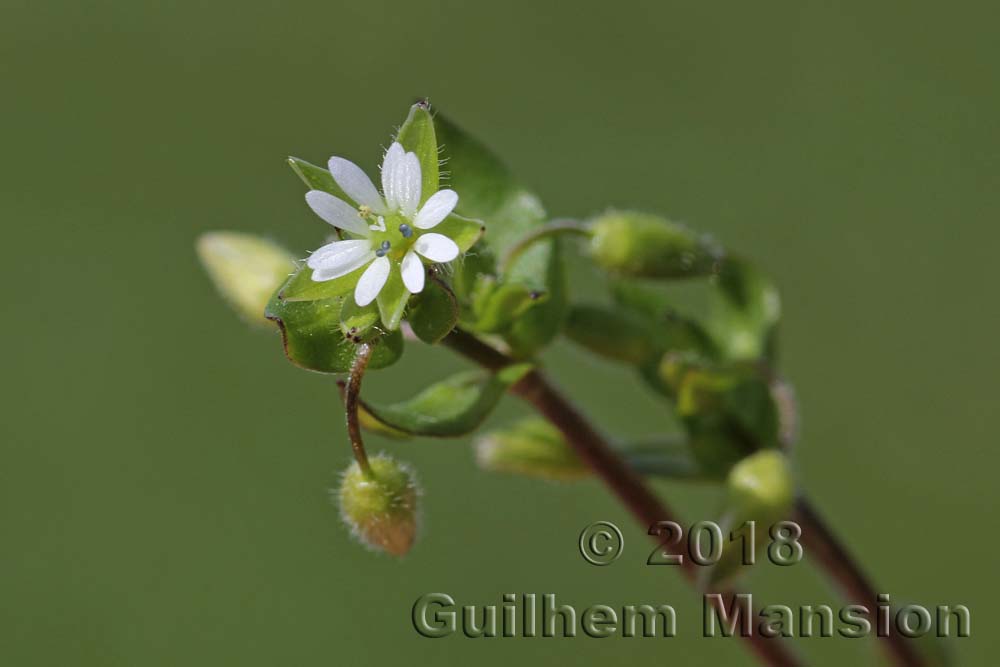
(339, 258)
(408, 189)
(391, 164)
(338, 213)
(355, 183)
(372, 281)
(436, 247)
(413, 273)
(436, 209)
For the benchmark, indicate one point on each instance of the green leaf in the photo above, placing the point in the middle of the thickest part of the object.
(531, 447)
(310, 332)
(745, 309)
(301, 286)
(487, 190)
(392, 299)
(367, 421)
(451, 408)
(316, 178)
(417, 136)
(434, 312)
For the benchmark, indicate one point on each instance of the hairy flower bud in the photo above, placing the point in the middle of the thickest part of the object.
(532, 447)
(381, 508)
(246, 270)
(648, 246)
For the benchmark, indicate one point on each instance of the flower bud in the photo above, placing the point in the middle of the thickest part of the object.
(246, 270)
(532, 447)
(381, 508)
(762, 485)
(648, 246)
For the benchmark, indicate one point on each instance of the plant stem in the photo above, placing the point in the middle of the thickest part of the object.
(822, 544)
(554, 228)
(598, 453)
(351, 395)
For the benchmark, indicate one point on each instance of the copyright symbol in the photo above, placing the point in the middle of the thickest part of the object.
(601, 543)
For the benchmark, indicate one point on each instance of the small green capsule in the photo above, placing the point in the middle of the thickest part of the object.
(381, 508)
(246, 270)
(648, 246)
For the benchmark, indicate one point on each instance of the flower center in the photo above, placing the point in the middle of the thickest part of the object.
(391, 236)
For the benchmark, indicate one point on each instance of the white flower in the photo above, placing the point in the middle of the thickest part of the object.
(391, 229)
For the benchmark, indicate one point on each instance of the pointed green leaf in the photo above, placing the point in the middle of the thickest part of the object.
(451, 408)
(417, 136)
(310, 332)
(392, 299)
(746, 310)
(434, 312)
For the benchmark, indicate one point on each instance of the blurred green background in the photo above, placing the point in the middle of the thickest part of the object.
(164, 474)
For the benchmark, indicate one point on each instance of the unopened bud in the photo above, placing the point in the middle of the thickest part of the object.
(381, 508)
(648, 246)
(762, 485)
(246, 270)
(531, 447)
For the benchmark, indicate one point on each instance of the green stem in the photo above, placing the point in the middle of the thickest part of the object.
(352, 393)
(554, 228)
(598, 453)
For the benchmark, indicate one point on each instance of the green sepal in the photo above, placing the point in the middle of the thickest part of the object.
(759, 488)
(741, 393)
(311, 335)
(417, 136)
(465, 232)
(358, 322)
(496, 306)
(745, 311)
(316, 178)
(450, 408)
(301, 287)
(541, 323)
(392, 299)
(434, 312)
(530, 447)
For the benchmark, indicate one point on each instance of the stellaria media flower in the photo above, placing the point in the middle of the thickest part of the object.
(383, 230)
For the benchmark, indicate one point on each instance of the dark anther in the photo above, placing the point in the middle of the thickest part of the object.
(405, 230)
